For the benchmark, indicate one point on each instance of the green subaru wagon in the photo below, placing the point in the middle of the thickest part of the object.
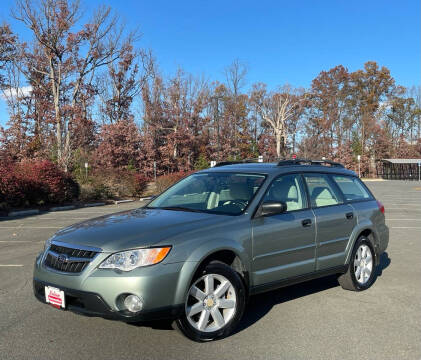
(196, 252)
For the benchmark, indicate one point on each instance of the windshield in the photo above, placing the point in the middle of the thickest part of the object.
(220, 193)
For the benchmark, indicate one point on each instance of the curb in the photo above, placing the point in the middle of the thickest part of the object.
(116, 202)
(24, 212)
(146, 198)
(94, 204)
(67, 207)
(62, 208)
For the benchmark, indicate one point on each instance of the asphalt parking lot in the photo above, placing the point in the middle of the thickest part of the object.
(313, 320)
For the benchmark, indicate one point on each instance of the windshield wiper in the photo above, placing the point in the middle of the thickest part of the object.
(176, 208)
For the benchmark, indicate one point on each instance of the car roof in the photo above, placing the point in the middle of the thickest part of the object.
(274, 168)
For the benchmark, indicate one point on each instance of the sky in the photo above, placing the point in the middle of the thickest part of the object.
(279, 41)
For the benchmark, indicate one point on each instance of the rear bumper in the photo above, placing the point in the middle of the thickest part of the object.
(383, 236)
(92, 304)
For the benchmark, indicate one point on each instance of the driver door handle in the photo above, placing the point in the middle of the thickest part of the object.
(306, 222)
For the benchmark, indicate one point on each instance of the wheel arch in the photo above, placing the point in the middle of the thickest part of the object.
(234, 256)
(364, 229)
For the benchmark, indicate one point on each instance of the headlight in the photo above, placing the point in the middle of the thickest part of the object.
(131, 259)
(47, 245)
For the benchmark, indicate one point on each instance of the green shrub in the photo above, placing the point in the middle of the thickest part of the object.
(114, 183)
(201, 163)
(95, 191)
(165, 181)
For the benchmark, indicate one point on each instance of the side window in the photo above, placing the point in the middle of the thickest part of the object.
(289, 190)
(322, 193)
(351, 187)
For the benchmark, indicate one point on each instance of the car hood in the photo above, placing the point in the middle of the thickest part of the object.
(134, 228)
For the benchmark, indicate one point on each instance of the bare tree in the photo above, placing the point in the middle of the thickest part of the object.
(7, 48)
(72, 56)
(415, 93)
(235, 75)
(276, 110)
(236, 79)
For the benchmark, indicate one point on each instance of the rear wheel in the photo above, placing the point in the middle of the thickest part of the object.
(214, 305)
(361, 271)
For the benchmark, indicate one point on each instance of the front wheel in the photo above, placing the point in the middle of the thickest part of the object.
(361, 271)
(214, 305)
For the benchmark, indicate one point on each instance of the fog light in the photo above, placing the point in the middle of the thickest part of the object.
(133, 303)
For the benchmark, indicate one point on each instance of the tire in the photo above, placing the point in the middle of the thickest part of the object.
(226, 297)
(360, 275)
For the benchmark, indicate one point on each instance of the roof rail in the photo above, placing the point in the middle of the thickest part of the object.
(309, 162)
(246, 161)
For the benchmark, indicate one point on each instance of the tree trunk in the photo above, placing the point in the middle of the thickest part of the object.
(55, 87)
(278, 136)
(58, 127)
(175, 143)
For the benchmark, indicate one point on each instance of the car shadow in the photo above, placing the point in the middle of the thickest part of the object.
(384, 263)
(156, 324)
(260, 305)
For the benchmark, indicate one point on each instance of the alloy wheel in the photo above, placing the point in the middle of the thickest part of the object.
(211, 303)
(363, 264)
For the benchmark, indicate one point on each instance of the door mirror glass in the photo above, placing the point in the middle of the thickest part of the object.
(272, 208)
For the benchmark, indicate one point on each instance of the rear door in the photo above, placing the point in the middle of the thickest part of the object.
(284, 244)
(335, 220)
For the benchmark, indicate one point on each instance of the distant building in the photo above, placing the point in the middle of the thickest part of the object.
(399, 169)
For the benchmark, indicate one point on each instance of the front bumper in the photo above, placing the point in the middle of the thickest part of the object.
(92, 304)
(96, 292)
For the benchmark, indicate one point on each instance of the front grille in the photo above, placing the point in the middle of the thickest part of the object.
(72, 252)
(67, 259)
(71, 267)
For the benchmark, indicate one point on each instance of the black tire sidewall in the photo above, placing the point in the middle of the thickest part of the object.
(359, 287)
(235, 279)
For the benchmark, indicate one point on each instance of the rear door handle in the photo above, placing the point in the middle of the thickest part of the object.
(306, 222)
(349, 215)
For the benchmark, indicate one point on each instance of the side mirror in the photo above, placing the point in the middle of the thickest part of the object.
(272, 208)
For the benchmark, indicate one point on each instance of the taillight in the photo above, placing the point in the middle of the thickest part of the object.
(381, 206)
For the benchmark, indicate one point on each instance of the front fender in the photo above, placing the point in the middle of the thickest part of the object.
(198, 256)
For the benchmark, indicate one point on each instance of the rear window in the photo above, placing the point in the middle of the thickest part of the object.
(352, 188)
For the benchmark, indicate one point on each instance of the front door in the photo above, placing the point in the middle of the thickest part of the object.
(284, 244)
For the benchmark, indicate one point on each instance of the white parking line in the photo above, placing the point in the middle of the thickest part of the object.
(406, 193)
(63, 218)
(405, 227)
(400, 208)
(403, 219)
(415, 203)
(406, 204)
(20, 241)
(30, 227)
(11, 265)
(90, 212)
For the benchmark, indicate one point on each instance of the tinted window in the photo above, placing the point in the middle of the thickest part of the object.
(322, 193)
(287, 189)
(224, 193)
(351, 187)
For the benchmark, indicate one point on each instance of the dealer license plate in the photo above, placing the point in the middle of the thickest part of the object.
(54, 297)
